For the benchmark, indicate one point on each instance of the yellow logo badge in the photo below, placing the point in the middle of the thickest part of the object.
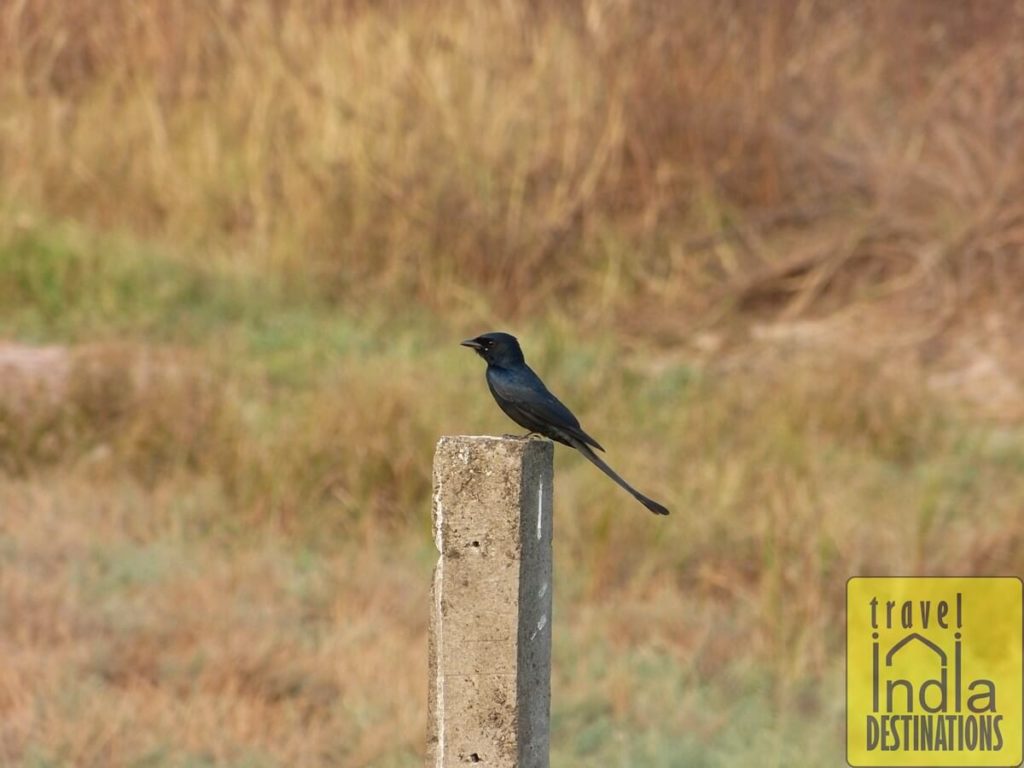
(934, 672)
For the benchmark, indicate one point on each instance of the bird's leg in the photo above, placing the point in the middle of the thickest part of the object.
(527, 436)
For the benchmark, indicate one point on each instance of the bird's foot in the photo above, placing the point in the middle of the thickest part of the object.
(527, 436)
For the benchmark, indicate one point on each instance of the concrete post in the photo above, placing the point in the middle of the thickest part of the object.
(490, 625)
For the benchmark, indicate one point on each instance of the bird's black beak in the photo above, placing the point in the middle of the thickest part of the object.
(472, 344)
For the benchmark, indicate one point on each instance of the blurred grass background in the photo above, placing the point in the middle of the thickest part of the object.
(771, 253)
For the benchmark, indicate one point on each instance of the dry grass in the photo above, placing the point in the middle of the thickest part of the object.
(129, 641)
(152, 412)
(590, 150)
(757, 246)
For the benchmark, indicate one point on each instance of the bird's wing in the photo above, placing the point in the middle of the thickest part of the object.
(525, 393)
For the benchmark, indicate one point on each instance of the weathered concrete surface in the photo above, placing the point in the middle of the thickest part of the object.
(490, 628)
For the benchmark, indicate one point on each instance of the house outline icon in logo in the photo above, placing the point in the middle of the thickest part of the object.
(915, 636)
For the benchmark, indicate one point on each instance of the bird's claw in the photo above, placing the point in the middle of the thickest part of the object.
(527, 436)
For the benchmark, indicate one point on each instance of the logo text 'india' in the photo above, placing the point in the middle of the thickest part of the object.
(934, 672)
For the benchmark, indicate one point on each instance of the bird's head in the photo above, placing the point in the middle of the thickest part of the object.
(501, 349)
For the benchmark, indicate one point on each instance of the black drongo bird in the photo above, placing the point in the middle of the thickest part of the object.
(524, 399)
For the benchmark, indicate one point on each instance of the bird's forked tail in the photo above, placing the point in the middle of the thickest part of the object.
(585, 449)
